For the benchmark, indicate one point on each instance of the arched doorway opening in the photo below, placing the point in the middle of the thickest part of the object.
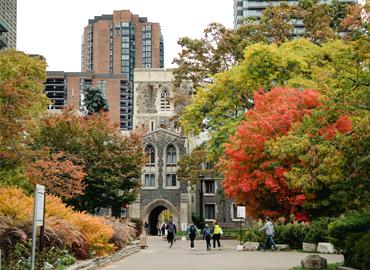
(159, 210)
(154, 219)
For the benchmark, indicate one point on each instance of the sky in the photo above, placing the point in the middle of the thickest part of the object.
(53, 28)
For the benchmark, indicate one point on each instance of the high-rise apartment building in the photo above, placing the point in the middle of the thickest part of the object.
(254, 8)
(8, 23)
(117, 44)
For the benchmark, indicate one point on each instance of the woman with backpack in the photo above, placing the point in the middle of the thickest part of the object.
(207, 234)
(192, 231)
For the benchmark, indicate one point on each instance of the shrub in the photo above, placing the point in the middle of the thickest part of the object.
(54, 207)
(351, 234)
(123, 231)
(18, 257)
(75, 241)
(317, 231)
(15, 204)
(291, 234)
(96, 231)
(138, 226)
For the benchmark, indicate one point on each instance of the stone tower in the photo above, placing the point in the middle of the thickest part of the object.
(163, 145)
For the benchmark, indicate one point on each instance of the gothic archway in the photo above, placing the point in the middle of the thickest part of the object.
(153, 219)
(154, 209)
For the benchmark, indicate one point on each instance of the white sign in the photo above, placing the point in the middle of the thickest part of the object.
(38, 218)
(184, 227)
(39, 201)
(240, 212)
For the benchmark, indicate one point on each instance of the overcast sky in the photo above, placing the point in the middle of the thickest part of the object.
(53, 28)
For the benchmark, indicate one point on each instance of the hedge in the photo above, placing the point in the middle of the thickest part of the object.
(351, 234)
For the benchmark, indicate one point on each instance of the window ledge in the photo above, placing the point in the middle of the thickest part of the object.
(171, 187)
(237, 219)
(209, 220)
(149, 188)
(209, 194)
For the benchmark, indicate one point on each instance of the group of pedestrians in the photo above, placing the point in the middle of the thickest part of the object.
(213, 233)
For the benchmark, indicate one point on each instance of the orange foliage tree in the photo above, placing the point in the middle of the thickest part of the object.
(61, 175)
(252, 176)
(112, 161)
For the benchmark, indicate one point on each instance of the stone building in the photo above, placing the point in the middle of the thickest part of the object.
(164, 144)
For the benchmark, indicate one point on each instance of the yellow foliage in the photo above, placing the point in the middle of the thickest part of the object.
(97, 232)
(54, 207)
(15, 204)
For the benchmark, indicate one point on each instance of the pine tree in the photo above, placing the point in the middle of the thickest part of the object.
(94, 100)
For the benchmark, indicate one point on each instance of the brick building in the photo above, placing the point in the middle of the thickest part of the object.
(66, 88)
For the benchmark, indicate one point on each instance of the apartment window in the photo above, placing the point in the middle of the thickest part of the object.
(171, 155)
(126, 24)
(125, 57)
(165, 102)
(125, 45)
(125, 69)
(171, 180)
(148, 48)
(150, 152)
(149, 180)
(210, 211)
(151, 125)
(210, 186)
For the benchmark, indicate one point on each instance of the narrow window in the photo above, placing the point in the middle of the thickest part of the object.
(150, 153)
(210, 211)
(171, 155)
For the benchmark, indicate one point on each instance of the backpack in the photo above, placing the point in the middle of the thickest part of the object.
(207, 232)
(192, 229)
(170, 228)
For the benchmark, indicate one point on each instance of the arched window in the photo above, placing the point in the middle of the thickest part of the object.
(165, 101)
(150, 152)
(171, 155)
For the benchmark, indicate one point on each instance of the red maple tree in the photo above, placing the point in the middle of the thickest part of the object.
(251, 175)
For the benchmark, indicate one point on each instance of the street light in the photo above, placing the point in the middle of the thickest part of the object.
(201, 176)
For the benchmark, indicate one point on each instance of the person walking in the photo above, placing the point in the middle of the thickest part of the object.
(192, 231)
(163, 229)
(146, 227)
(171, 231)
(207, 234)
(217, 232)
(269, 229)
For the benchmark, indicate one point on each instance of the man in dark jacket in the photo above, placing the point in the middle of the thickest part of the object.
(192, 231)
(171, 231)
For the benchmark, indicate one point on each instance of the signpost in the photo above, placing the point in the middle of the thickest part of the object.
(240, 213)
(38, 219)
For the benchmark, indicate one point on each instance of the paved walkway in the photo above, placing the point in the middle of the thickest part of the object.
(158, 256)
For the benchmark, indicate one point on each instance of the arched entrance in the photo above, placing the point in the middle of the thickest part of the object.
(154, 209)
(153, 219)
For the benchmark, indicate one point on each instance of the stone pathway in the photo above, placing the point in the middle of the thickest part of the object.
(158, 256)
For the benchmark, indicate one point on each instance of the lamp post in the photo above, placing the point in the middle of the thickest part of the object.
(201, 176)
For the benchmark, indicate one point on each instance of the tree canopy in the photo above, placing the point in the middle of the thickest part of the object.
(112, 161)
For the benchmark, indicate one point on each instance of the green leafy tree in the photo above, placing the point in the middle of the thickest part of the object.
(190, 166)
(219, 107)
(94, 100)
(22, 102)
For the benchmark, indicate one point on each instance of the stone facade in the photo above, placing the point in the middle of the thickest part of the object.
(164, 145)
